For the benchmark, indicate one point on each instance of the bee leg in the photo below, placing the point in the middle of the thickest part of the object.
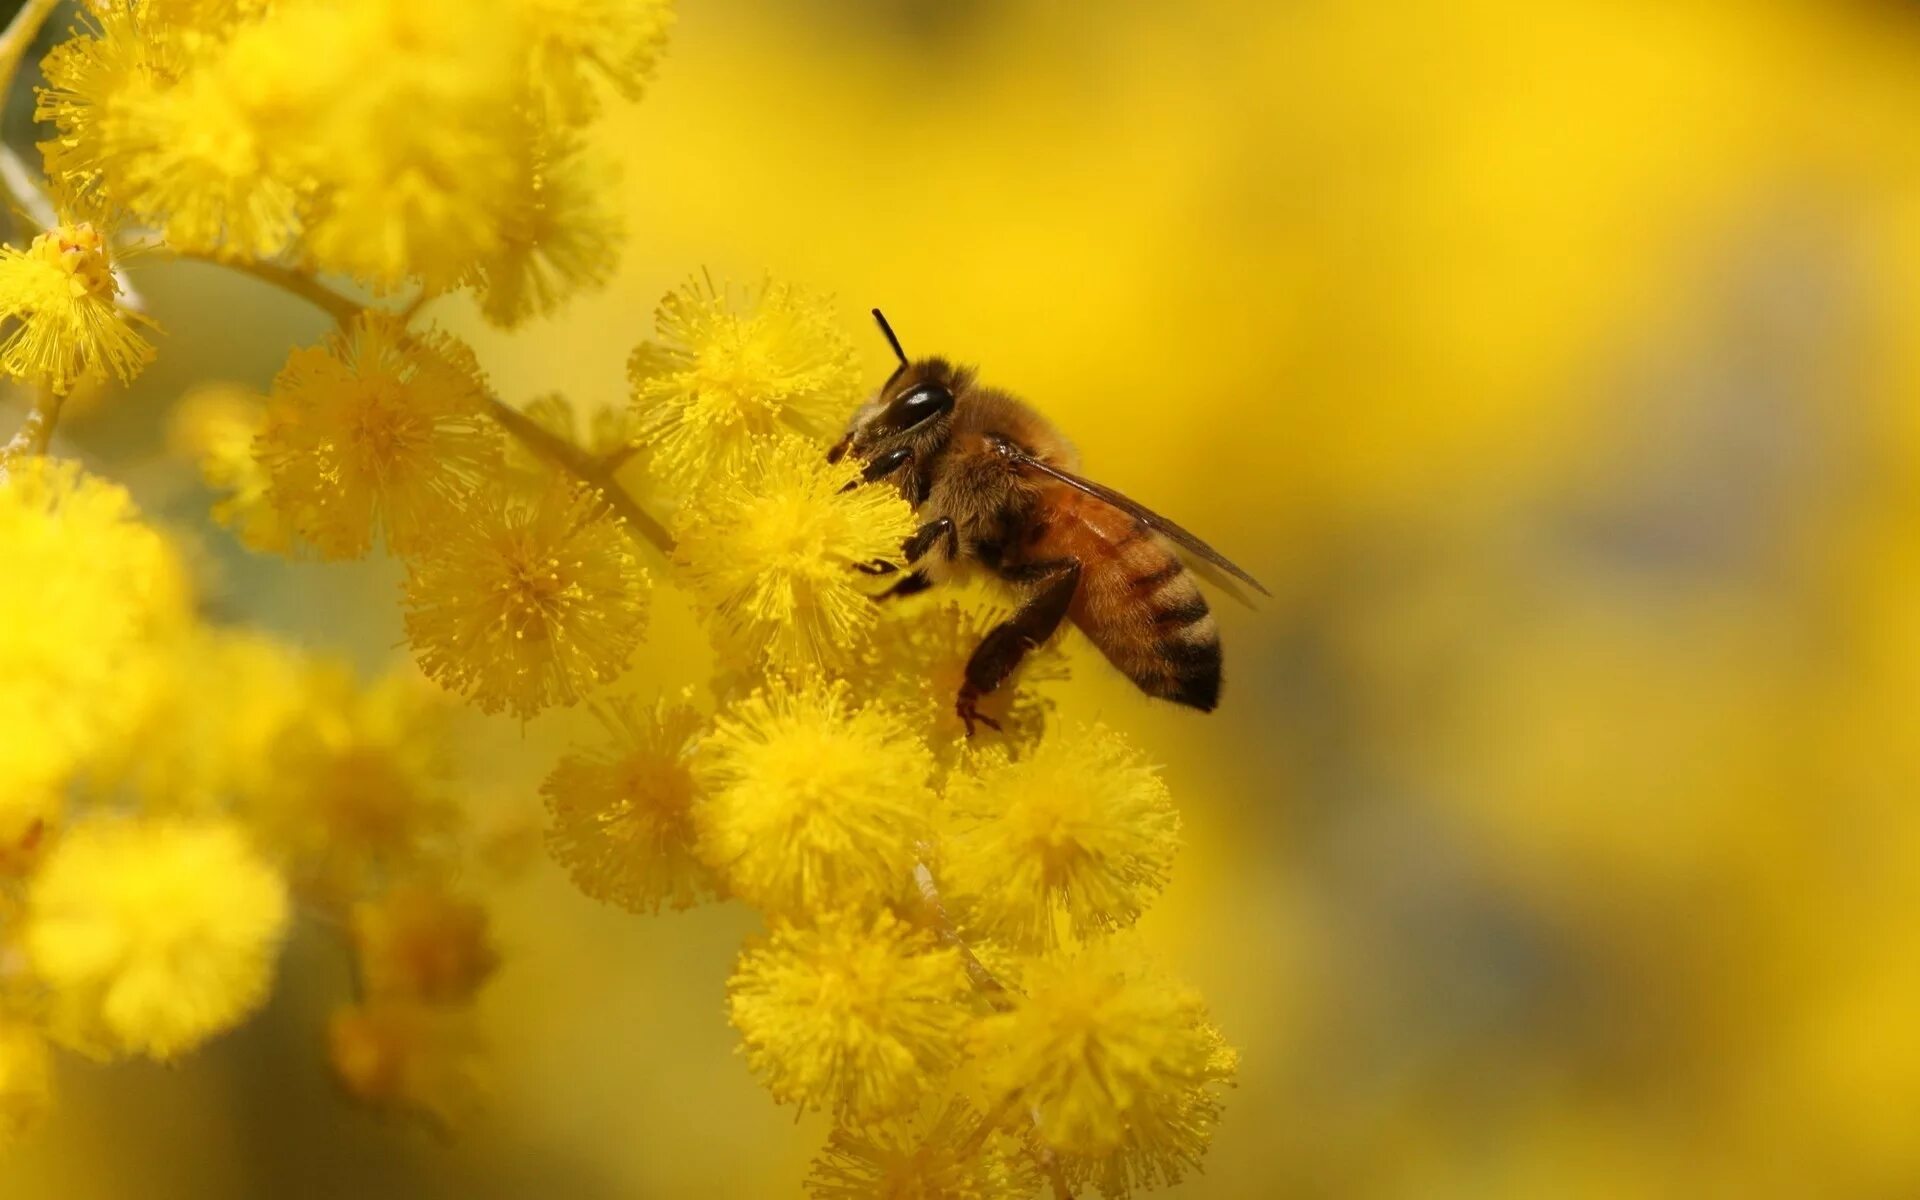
(878, 566)
(882, 467)
(1009, 641)
(917, 581)
(924, 539)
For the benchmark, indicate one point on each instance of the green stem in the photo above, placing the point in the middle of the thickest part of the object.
(295, 282)
(582, 466)
(18, 36)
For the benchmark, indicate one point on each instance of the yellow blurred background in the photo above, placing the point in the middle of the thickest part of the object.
(1555, 364)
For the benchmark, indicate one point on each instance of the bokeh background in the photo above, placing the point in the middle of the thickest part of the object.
(1557, 365)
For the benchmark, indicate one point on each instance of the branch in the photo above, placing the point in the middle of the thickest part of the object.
(583, 467)
(18, 36)
(341, 308)
(983, 979)
(36, 431)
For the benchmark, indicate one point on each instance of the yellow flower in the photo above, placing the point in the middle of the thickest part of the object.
(623, 813)
(811, 803)
(617, 40)
(528, 603)
(939, 1157)
(117, 57)
(216, 706)
(1081, 828)
(153, 937)
(851, 1015)
(1108, 1058)
(732, 366)
(26, 1080)
(195, 162)
(360, 794)
(407, 1055)
(770, 550)
(377, 430)
(404, 131)
(216, 426)
(63, 301)
(419, 943)
(94, 591)
(917, 660)
(559, 232)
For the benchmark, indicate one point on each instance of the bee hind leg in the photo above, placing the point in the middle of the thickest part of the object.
(1009, 641)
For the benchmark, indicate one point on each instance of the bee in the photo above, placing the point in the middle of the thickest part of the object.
(997, 484)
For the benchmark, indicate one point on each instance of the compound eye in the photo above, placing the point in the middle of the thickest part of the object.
(924, 401)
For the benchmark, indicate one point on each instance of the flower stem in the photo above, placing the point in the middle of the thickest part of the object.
(295, 282)
(583, 467)
(36, 431)
(936, 912)
(19, 35)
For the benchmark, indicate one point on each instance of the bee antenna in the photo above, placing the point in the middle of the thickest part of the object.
(891, 340)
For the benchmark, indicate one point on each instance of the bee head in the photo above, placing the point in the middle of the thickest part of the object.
(910, 411)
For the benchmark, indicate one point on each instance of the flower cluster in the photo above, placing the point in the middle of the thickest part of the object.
(171, 787)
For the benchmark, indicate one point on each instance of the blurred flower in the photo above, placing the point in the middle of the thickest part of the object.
(63, 300)
(1110, 1058)
(153, 936)
(417, 942)
(811, 802)
(113, 57)
(377, 430)
(731, 366)
(1079, 829)
(770, 550)
(559, 233)
(26, 1079)
(615, 40)
(947, 1157)
(623, 812)
(361, 784)
(527, 604)
(216, 426)
(94, 591)
(408, 1055)
(851, 1015)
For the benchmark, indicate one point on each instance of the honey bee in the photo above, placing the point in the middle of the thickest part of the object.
(997, 484)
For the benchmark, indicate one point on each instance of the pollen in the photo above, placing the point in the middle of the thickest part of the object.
(854, 1016)
(810, 801)
(528, 603)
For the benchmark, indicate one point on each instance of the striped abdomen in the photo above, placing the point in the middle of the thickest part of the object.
(1136, 600)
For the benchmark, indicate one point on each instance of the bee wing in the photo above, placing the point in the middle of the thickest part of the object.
(1221, 565)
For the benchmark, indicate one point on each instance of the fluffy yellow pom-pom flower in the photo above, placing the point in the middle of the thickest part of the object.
(559, 231)
(812, 803)
(362, 778)
(770, 549)
(528, 603)
(946, 1156)
(854, 1015)
(417, 942)
(153, 937)
(1110, 1058)
(1080, 828)
(377, 431)
(623, 812)
(568, 40)
(731, 366)
(63, 302)
(26, 1079)
(93, 591)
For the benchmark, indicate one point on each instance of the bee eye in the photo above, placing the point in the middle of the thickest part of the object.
(922, 402)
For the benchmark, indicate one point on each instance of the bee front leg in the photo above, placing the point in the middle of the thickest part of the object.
(928, 535)
(1009, 641)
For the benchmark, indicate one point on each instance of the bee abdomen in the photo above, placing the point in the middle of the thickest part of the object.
(1156, 626)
